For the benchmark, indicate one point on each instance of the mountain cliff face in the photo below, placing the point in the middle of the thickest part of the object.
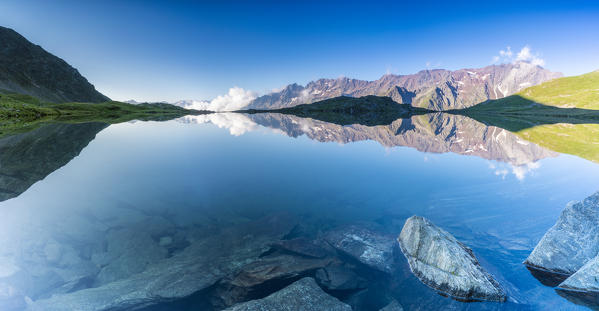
(433, 89)
(26, 68)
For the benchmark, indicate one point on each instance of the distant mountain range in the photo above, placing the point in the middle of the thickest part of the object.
(26, 68)
(437, 89)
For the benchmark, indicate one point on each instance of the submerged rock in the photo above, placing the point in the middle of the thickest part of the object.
(339, 278)
(262, 275)
(443, 263)
(367, 246)
(392, 306)
(586, 299)
(572, 241)
(301, 295)
(303, 247)
(197, 267)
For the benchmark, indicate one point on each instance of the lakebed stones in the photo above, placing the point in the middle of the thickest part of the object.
(336, 277)
(303, 247)
(261, 276)
(369, 247)
(392, 306)
(571, 242)
(195, 268)
(303, 295)
(443, 263)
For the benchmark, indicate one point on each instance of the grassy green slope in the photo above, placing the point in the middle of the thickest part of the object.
(562, 115)
(20, 113)
(566, 93)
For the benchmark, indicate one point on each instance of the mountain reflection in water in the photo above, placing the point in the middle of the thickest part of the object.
(172, 216)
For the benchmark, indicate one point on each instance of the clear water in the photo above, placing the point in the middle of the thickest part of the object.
(225, 170)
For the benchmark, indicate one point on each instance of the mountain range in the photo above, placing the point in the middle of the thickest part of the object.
(437, 89)
(26, 68)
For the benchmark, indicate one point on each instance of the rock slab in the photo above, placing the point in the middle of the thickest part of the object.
(572, 241)
(299, 296)
(440, 261)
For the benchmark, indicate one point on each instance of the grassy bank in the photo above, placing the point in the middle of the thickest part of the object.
(20, 113)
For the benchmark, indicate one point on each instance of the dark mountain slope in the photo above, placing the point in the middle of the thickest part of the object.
(26, 68)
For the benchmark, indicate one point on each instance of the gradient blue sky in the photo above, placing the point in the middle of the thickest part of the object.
(170, 50)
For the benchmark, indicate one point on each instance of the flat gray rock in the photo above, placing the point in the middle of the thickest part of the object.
(367, 246)
(443, 263)
(299, 296)
(585, 279)
(572, 241)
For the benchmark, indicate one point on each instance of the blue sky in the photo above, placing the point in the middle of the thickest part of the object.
(170, 50)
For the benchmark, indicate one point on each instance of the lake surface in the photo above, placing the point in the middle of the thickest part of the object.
(88, 209)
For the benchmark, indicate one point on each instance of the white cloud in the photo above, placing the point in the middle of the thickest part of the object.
(236, 99)
(237, 124)
(506, 53)
(520, 172)
(525, 55)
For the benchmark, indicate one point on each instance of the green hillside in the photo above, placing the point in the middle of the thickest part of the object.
(20, 113)
(562, 114)
(565, 93)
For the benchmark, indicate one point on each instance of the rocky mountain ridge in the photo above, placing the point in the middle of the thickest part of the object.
(436, 89)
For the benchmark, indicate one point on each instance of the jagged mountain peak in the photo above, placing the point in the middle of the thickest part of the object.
(437, 89)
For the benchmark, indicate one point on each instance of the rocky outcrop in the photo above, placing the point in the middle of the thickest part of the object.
(26, 68)
(443, 263)
(301, 295)
(572, 241)
(367, 246)
(433, 89)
